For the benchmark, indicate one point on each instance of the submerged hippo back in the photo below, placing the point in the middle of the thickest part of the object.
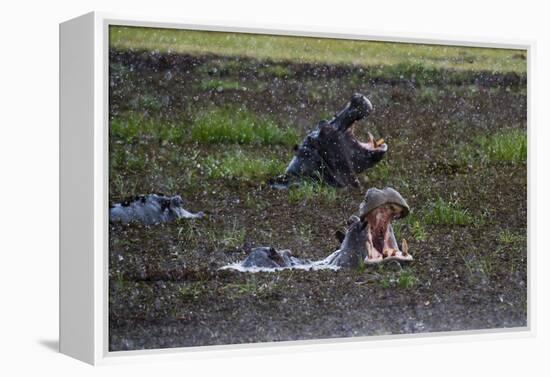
(148, 210)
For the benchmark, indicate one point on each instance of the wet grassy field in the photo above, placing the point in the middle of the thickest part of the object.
(215, 129)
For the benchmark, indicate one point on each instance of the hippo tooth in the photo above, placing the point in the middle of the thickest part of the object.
(405, 247)
(371, 139)
(370, 249)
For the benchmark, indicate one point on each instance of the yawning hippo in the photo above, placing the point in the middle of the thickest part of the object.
(150, 209)
(331, 151)
(369, 239)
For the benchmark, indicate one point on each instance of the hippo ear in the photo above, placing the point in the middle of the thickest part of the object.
(353, 219)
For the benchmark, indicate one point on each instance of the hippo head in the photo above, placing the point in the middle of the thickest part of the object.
(377, 211)
(268, 257)
(332, 152)
(362, 155)
(174, 205)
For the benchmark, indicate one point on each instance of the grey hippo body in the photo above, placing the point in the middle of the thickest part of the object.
(150, 209)
(268, 257)
(332, 153)
(369, 239)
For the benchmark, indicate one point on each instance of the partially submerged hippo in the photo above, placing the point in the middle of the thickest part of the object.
(150, 209)
(268, 257)
(332, 153)
(369, 239)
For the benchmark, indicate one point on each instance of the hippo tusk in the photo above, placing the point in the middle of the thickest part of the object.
(371, 139)
(405, 247)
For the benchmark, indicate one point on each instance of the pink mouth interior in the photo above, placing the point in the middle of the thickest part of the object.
(381, 243)
(372, 144)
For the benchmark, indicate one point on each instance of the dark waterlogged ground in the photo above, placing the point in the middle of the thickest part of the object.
(457, 146)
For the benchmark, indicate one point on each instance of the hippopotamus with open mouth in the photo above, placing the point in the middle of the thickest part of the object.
(150, 209)
(332, 153)
(369, 239)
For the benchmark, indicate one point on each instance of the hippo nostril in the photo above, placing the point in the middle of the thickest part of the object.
(362, 103)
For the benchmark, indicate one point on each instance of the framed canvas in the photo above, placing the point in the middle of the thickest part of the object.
(228, 188)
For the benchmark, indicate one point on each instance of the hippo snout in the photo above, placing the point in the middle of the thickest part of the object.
(362, 104)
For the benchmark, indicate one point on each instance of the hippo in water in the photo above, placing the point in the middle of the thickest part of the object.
(332, 153)
(369, 239)
(268, 257)
(150, 209)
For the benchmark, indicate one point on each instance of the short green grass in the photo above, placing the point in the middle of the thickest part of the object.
(192, 291)
(418, 231)
(404, 280)
(233, 237)
(133, 127)
(441, 212)
(319, 50)
(507, 146)
(220, 85)
(239, 126)
(242, 166)
(129, 160)
(309, 191)
(428, 95)
(251, 287)
(381, 172)
(508, 238)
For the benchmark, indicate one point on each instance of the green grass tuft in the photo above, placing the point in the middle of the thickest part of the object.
(233, 238)
(403, 280)
(428, 95)
(406, 280)
(238, 165)
(418, 231)
(238, 126)
(508, 146)
(506, 237)
(192, 291)
(129, 129)
(441, 212)
(381, 172)
(309, 191)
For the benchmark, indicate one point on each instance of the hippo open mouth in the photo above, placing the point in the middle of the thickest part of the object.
(377, 212)
(332, 152)
(363, 155)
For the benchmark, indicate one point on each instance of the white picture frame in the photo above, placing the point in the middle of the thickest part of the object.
(84, 190)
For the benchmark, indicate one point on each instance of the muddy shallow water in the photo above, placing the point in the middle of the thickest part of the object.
(166, 289)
